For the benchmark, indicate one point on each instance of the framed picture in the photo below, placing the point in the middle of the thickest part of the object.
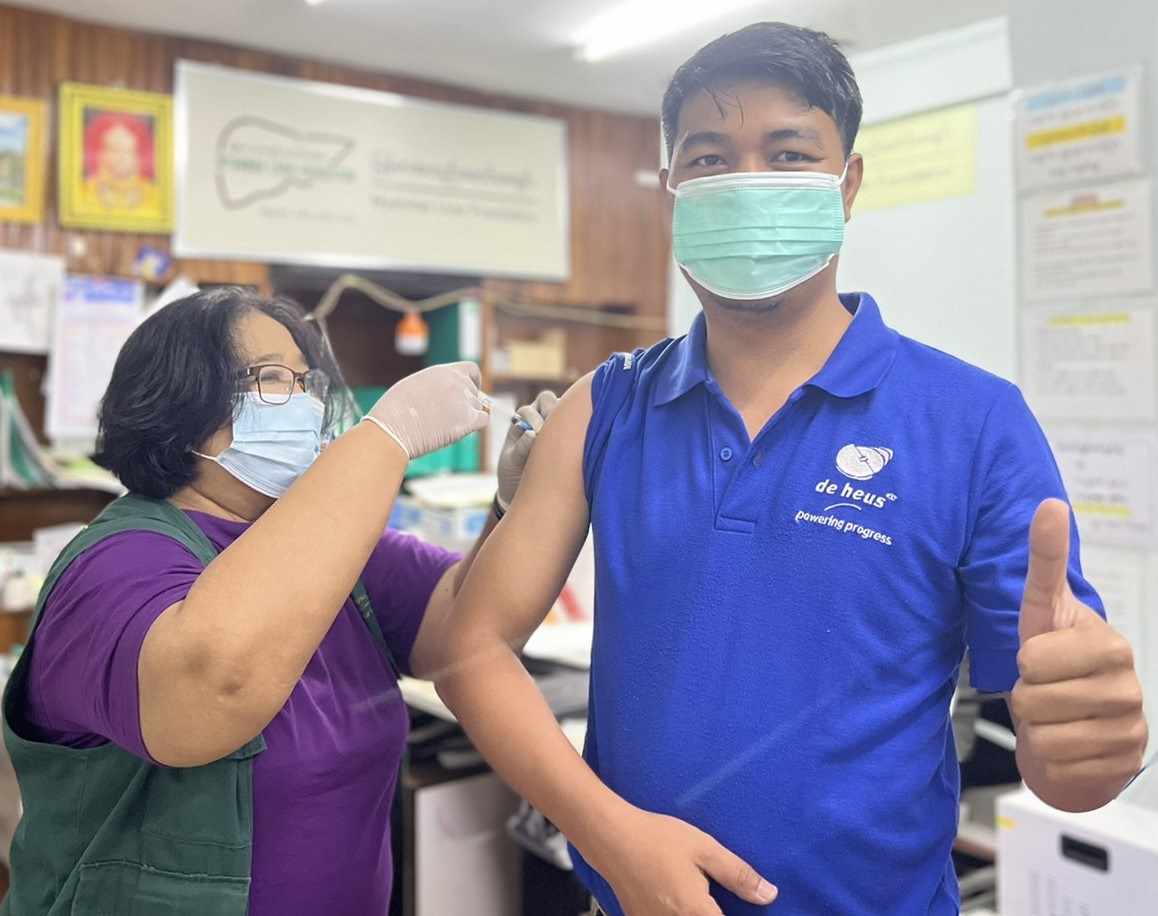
(116, 159)
(22, 155)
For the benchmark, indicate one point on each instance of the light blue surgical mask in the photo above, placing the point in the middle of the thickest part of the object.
(272, 445)
(754, 235)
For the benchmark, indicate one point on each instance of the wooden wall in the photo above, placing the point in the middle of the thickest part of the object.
(618, 244)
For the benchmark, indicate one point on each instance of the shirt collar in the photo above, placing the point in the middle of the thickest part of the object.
(689, 365)
(859, 363)
(865, 353)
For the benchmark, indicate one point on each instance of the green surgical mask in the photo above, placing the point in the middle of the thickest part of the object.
(754, 235)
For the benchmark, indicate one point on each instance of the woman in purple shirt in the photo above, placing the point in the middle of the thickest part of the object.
(219, 404)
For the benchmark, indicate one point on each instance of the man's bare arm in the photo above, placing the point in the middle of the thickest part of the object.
(518, 574)
(657, 865)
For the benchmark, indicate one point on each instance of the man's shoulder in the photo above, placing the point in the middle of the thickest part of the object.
(924, 368)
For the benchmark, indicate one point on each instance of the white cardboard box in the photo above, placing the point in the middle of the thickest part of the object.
(464, 862)
(1052, 863)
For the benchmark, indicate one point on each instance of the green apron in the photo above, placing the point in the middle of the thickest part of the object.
(105, 833)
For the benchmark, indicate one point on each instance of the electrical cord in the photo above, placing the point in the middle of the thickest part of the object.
(391, 300)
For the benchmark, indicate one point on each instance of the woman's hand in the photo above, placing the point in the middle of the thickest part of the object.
(432, 409)
(660, 866)
(517, 448)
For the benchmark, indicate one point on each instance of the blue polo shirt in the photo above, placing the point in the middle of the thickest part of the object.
(779, 622)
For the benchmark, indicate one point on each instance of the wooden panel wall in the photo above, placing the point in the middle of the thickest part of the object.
(618, 243)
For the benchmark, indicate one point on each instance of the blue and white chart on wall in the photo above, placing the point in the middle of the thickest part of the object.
(1085, 129)
(93, 319)
(286, 170)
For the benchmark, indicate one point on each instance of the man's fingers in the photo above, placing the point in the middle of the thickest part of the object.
(1095, 771)
(1067, 654)
(1070, 742)
(731, 872)
(1106, 696)
(1045, 581)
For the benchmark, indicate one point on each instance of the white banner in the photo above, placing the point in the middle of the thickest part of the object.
(287, 170)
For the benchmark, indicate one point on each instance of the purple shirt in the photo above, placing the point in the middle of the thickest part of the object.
(323, 788)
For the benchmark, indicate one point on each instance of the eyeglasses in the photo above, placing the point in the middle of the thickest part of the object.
(275, 383)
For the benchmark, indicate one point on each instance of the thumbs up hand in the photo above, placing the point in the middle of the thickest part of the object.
(1081, 734)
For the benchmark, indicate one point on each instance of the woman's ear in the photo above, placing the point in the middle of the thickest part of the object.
(218, 442)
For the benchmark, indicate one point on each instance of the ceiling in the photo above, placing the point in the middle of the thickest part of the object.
(518, 47)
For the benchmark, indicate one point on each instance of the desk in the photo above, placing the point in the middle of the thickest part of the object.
(421, 696)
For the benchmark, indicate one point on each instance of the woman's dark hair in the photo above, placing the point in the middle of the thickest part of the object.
(807, 62)
(177, 380)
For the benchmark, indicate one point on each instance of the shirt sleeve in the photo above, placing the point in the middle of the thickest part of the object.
(400, 577)
(1014, 470)
(612, 385)
(83, 686)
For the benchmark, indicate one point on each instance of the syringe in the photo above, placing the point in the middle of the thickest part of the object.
(498, 407)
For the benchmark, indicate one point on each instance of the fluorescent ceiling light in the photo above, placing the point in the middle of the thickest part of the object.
(315, 2)
(640, 22)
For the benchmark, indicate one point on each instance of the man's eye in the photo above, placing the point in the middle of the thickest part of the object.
(791, 156)
(707, 161)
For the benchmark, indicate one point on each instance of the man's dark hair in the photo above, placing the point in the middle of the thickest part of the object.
(177, 380)
(807, 62)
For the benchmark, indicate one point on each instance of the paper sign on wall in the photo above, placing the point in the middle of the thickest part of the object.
(1107, 473)
(1119, 576)
(1085, 129)
(94, 318)
(1089, 364)
(920, 158)
(1095, 240)
(29, 287)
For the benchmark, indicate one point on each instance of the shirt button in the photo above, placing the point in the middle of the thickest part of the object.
(758, 458)
(725, 454)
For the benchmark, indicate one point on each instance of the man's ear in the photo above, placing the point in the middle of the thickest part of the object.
(852, 179)
(668, 198)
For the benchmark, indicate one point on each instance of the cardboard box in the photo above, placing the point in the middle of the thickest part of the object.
(1052, 863)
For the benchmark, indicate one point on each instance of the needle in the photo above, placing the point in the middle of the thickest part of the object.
(493, 406)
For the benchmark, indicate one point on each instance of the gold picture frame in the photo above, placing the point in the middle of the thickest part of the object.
(116, 159)
(22, 155)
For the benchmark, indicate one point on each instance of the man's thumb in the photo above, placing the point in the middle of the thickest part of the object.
(733, 873)
(1046, 585)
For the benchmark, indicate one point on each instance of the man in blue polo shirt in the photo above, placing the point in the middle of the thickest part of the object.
(802, 520)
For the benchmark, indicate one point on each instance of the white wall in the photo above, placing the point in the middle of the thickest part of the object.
(943, 271)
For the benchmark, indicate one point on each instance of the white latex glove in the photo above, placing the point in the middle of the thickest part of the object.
(517, 447)
(432, 409)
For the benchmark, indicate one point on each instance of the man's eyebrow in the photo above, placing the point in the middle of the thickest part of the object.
(703, 136)
(793, 133)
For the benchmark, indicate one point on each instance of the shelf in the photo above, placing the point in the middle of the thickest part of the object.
(27, 510)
